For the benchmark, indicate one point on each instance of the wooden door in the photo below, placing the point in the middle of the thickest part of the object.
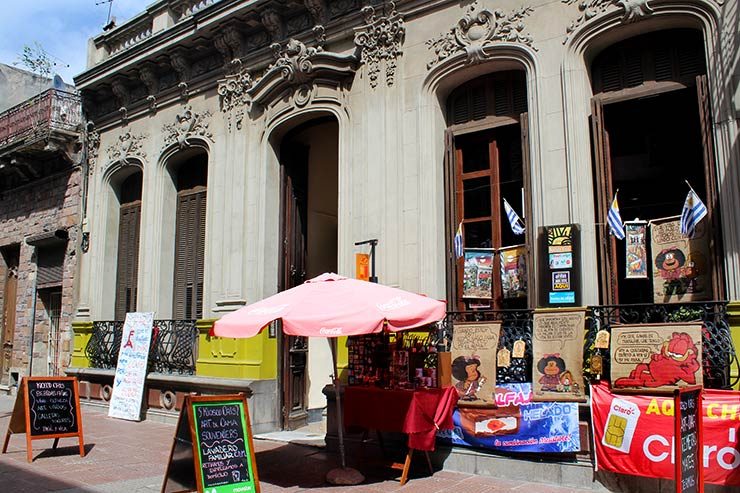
(10, 299)
(294, 350)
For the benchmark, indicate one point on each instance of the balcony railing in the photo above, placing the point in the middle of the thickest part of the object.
(173, 348)
(717, 347)
(49, 111)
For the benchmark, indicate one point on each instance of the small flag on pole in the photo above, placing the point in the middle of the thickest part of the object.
(459, 242)
(694, 211)
(514, 220)
(615, 220)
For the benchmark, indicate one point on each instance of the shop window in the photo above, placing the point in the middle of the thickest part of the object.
(486, 164)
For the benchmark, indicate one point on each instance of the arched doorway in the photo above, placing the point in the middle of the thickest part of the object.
(652, 137)
(127, 185)
(308, 156)
(488, 167)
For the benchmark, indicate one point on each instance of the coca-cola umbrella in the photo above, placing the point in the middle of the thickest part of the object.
(331, 305)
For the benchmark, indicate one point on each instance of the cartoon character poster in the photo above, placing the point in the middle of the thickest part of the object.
(557, 346)
(681, 266)
(473, 354)
(514, 271)
(517, 424)
(636, 262)
(658, 357)
(478, 274)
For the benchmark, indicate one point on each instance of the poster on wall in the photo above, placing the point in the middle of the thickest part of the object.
(559, 279)
(557, 346)
(636, 263)
(634, 434)
(514, 271)
(473, 354)
(681, 266)
(478, 273)
(517, 424)
(656, 358)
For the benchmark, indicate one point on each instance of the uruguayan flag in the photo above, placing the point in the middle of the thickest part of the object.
(514, 220)
(615, 220)
(694, 211)
(458, 241)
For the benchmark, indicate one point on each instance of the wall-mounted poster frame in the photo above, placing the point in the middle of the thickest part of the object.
(635, 250)
(478, 273)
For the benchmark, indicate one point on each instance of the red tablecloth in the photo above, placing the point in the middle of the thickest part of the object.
(418, 413)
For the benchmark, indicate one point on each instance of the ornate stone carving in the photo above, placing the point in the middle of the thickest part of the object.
(634, 10)
(295, 65)
(234, 39)
(181, 65)
(128, 146)
(320, 33)
(317, 9)
(478, 29)
(188, 124)
(272, 21)
(219, 41)
(233, 96)
(380, 40)
(148, 76)
(93, 147)
(152, 102)
(120, 91)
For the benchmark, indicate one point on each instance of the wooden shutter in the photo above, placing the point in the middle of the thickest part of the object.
(529, 234)
(602, 165)
(710, 177)
(127, 272)
(452, 219)
(50, 265)
(189, 255)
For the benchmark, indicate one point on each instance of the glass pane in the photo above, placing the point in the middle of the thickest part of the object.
(478, 235)
(477, 197)
(475, 155)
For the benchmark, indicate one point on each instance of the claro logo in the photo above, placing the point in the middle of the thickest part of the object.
(330, 331)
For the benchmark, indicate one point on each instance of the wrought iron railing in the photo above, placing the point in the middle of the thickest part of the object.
(717, 346)
(173, 348)
(50, 110)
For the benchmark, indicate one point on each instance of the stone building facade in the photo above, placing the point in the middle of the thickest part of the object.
(40, 213)
(257, 144)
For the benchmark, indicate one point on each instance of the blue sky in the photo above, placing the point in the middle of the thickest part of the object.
(62, 27)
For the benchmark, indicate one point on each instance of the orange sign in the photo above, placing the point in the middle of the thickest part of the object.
(362, 266)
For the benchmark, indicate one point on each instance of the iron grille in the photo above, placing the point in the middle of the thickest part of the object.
(173, 347)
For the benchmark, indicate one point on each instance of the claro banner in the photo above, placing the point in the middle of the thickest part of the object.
(634, 434)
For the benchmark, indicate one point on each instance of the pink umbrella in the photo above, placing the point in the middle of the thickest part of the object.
(331, 305)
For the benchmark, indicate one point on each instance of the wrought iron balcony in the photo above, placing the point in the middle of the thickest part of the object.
(173, 347)
(50, 111)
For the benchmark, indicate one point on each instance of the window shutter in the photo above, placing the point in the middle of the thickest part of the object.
(189, 255)
(529, 236)
(50, 265)
(128, 259)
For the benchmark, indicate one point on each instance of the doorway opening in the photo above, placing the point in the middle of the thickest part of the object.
(309, 159)
(10, 257)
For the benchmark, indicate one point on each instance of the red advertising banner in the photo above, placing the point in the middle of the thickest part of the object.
(634, 434)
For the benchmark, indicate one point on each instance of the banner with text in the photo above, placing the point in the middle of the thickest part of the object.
(634, 434)
(128, 384)
(517, 424)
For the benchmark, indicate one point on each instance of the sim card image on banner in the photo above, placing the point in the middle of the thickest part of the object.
(620, 425)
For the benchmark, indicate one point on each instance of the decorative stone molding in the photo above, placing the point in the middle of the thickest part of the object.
(120, 91)
(152, 102)
(181, 64)
(234, 39)
(296, 65)
(128, 146)
(478, 29)
(634, 10)
(93, 147)
(233, 96)
(219, 42)
(148, 76)
(272, 21)
(188, 124)
(317, 9)
(380, 40)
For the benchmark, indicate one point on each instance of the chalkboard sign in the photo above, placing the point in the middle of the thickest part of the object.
(688, 442)
(213, 450)
(47, 407)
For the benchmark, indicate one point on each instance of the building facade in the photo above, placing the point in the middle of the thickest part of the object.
(41, 183)
(238, 148)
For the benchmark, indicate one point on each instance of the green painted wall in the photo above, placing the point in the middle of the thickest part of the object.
(82, 333)
(733, 314)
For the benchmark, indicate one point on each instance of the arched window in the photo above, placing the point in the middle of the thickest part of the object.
(127, 266)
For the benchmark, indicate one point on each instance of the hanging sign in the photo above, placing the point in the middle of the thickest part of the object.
(362, 266)
(478, 273)
(688, 445)
(133, 356)
(681, 266)
(561, 258)
(557, 346)
(46, 407)
(636, 262)
(513, 271)
(212, 451)
(656, 358)
(474, 356)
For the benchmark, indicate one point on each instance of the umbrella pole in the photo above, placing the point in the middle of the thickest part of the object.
(344, 475)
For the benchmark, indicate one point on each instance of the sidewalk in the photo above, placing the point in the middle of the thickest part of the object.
(127, 457)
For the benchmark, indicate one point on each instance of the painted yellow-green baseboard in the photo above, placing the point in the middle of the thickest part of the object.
(253, 359)
(82, 334)
(733, 314)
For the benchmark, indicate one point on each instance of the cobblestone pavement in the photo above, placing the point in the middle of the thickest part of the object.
(126, 457)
